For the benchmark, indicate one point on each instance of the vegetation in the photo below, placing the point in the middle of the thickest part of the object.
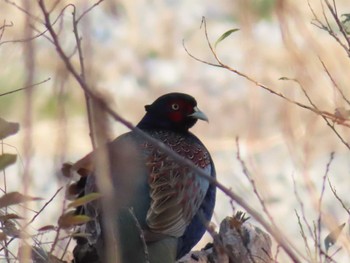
(279, 111)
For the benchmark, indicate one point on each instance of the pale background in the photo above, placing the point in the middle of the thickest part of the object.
(133, 52)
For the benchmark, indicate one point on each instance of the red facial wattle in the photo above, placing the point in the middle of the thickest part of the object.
(176, 116)
(179, 110)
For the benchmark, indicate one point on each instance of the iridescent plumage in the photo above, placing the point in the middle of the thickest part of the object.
(170, 202)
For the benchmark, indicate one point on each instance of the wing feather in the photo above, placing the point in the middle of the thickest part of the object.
(176, 192)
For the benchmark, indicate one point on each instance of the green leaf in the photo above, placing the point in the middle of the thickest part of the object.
(225, 35)
(15, 198)
(347, 18)
(7, 128)
(346, 23)
(69, 220)
(7, 159)
(85, 199)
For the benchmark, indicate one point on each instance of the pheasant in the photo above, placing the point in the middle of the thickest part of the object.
(161, 204)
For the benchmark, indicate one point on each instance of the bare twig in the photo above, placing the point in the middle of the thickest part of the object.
(39, 32)
(3, 28)
(301, 204)
(331, 125)
(27, 87)
(319, 209)
(88, 10)
(252, 182)
(25, 39)
(142, 236)
(276, 254)
(334, 13)
(220, 64)
(325, 115)
(25, 11)
(303, 235)
(44, 206)
(82, 70)
(334, 191)
(334, 82)
(327, 27)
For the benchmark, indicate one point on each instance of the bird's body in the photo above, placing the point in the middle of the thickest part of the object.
(155, 195)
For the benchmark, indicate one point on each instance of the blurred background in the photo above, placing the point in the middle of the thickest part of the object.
(133, 52)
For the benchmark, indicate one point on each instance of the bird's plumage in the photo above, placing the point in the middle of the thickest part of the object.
(170, 203)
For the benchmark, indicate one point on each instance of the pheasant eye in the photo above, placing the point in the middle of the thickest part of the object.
(175, 106)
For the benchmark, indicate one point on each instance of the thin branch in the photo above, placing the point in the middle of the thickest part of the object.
(220, 64)
(327, 27)
(334, 82)
(24, 39)
(44, 206)
(54, 6)
(198, 59)
(340, 25)
(3, 28)
(315, 19)
(4, 25)
(325, 115)
(319, 209)
(142, 236)
(334, 191)
(301, 204)
(82, 69)
(331, 125)
(276, 254)
(31, 86)
(88, 10)
(24, 11)
(58, 18)
(252, 182)
(303, 235)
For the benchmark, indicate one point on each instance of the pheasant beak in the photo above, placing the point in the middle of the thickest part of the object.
(198, 114)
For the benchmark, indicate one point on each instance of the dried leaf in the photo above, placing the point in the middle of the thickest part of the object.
(67, 170)
(342, 113)
(47, 228)
(7, 159)
(10, 229)
(332, 237)
(72, 192)
(9, 216)
(75, 189)
(14, 198)
(85, 166)
(70, 219)
(85, 199)
(7, 128)
(225, 35)
(2, 236)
